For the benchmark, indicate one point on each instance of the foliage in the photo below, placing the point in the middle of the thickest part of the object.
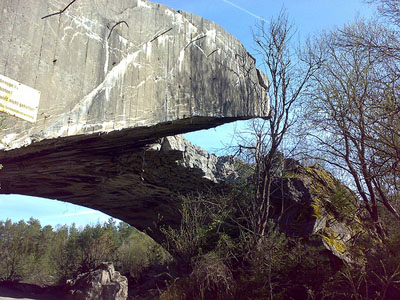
(375, 271)
(187, 241)
(134, 256)
(282, 267)
(199, 231)
(342, 204)
(44, 256)
(212, 277)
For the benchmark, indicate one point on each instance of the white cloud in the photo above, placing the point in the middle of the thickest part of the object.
(79, 213)
(75, 214)
(244, 10)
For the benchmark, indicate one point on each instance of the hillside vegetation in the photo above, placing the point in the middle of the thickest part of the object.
(46, 256)
(216, 253)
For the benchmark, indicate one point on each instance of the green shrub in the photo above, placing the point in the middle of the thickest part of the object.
(342, 203)
(137, 252)
(45, 256)
(211, 277)
(198, 229)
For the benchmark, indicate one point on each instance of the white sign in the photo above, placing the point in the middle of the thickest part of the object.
(18, 100)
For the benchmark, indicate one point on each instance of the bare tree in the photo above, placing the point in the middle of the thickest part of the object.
(353, 111)
(389, 9)
(288, 76)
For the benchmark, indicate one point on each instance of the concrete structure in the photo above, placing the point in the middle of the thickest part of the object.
(114, 77)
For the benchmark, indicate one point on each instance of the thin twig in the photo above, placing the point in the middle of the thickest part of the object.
(60, 12)
(116, 24)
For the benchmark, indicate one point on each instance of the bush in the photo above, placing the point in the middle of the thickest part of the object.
(138, 252)
(211, 277)
(189, 239)
(342, 204)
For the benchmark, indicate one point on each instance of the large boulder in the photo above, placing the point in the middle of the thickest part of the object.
(309, 201)
(103, 283)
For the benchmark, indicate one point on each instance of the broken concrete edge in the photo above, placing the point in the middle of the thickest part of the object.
(134, 136)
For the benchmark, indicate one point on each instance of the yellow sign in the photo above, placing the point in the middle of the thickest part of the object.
(18, 100)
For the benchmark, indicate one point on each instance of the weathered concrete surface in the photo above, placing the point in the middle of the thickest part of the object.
(115, 77)
(156, 67)
(140, 185)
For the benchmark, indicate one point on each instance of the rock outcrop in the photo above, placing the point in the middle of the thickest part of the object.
(310, 201)
(219, 169)
(103, 283)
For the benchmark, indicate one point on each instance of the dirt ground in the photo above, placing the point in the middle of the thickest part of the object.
(12, 294)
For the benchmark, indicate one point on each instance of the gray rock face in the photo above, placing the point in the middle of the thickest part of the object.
(103, 283)
(103, 66)
(304, 203)
(219, 169)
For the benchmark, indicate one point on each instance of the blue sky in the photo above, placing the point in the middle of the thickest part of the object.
(237, 17)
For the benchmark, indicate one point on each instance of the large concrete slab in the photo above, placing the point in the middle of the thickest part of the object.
(115, 77)
(105, 65)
